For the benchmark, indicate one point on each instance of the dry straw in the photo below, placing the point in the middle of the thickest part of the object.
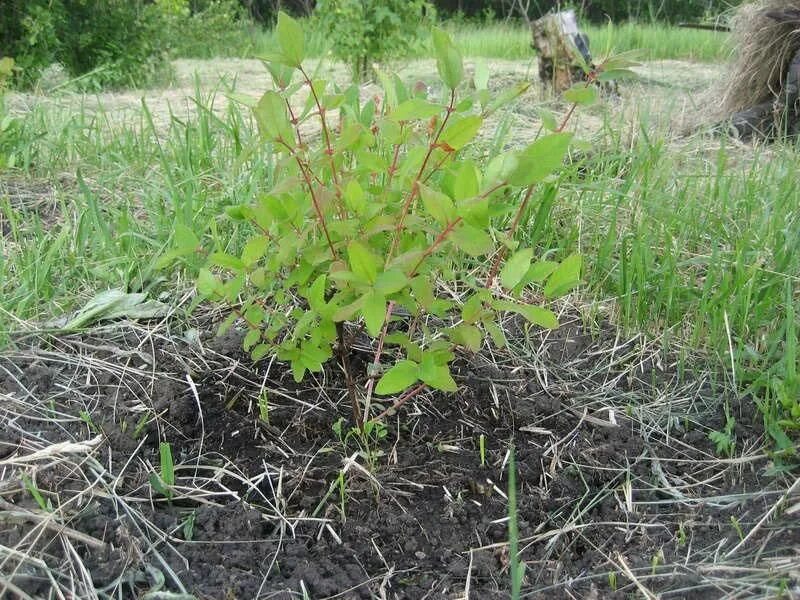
(765, 36)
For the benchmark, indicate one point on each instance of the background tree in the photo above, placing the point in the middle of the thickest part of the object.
(362, 31)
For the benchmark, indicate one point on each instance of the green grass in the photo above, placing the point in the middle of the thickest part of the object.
(513, 42)
(124, 190)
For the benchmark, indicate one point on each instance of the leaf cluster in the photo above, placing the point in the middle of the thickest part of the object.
(378, 204)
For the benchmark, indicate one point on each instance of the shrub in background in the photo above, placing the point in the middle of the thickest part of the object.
(362, 31)
(107, 42)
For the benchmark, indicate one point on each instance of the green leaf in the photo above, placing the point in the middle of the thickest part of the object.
(467, 181)
(435, 375)
(290, 38)
(281, 74)
(228, 261)
(423, 291)
(207, 284)
(254, 250)
(354, 197)
(374, 312)
(535, 314)
(470, 239)
(472, 309)
(438, 205)
(460, 133)
(565, 277)
(362, 262)
(390, 282)
(581, 94)
(616, 75)
(346, 312)
(548, 119)
(116, 304)
(468, 336)
(541, 158)
(541, 270)
(414, 109)
(272, 118)
(185, 238)
(448, 59)
(481, 76)
(251, 339)
(515, 268)
(497, 334)
(167, 464)
(400, 377)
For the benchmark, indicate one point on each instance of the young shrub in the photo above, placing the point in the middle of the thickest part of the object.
(364, 31)
(370, 213)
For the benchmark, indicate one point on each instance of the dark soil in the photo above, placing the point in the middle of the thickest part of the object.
(602, 496)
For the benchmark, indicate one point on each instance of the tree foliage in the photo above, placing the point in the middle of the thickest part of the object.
(366, 30)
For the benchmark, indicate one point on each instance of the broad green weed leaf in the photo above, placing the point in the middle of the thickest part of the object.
(254, 250)
(515, 268)
(437, 204)
(362, 262)
(273, 119)
(468, 336)
(435, 375)
(415, 109)
(481, 76)
(564, 277)
(374, 312)
(581, 94)
(617, 75)
(228, 261)
(496, 333)
(354, 197)
(467, 181)
(460, 133)
(400, 377)
(535, 314)
(540, 270)
(541, 158)
(207, 284)
(390, 281)
(290, 38)
(185, 238)
(548, 119)
(470, 239)
(448, 59)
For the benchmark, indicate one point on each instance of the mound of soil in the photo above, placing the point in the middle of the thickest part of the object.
(619, 492)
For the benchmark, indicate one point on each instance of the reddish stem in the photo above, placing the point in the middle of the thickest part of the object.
(510, 233)
(315, 202)
(325, 131)
(415, 186)
(436, 243)
(402, 400)
(376, 362)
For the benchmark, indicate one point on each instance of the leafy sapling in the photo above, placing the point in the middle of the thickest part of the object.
(375, 204)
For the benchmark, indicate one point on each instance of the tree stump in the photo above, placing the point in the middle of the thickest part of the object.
(562, 49)
(774, 119)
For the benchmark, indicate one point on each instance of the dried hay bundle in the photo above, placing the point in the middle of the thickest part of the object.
(766, 36)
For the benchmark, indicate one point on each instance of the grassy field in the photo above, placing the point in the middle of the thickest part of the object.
(513, 41)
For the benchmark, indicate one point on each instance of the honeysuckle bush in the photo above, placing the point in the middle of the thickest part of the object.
(373, 214)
